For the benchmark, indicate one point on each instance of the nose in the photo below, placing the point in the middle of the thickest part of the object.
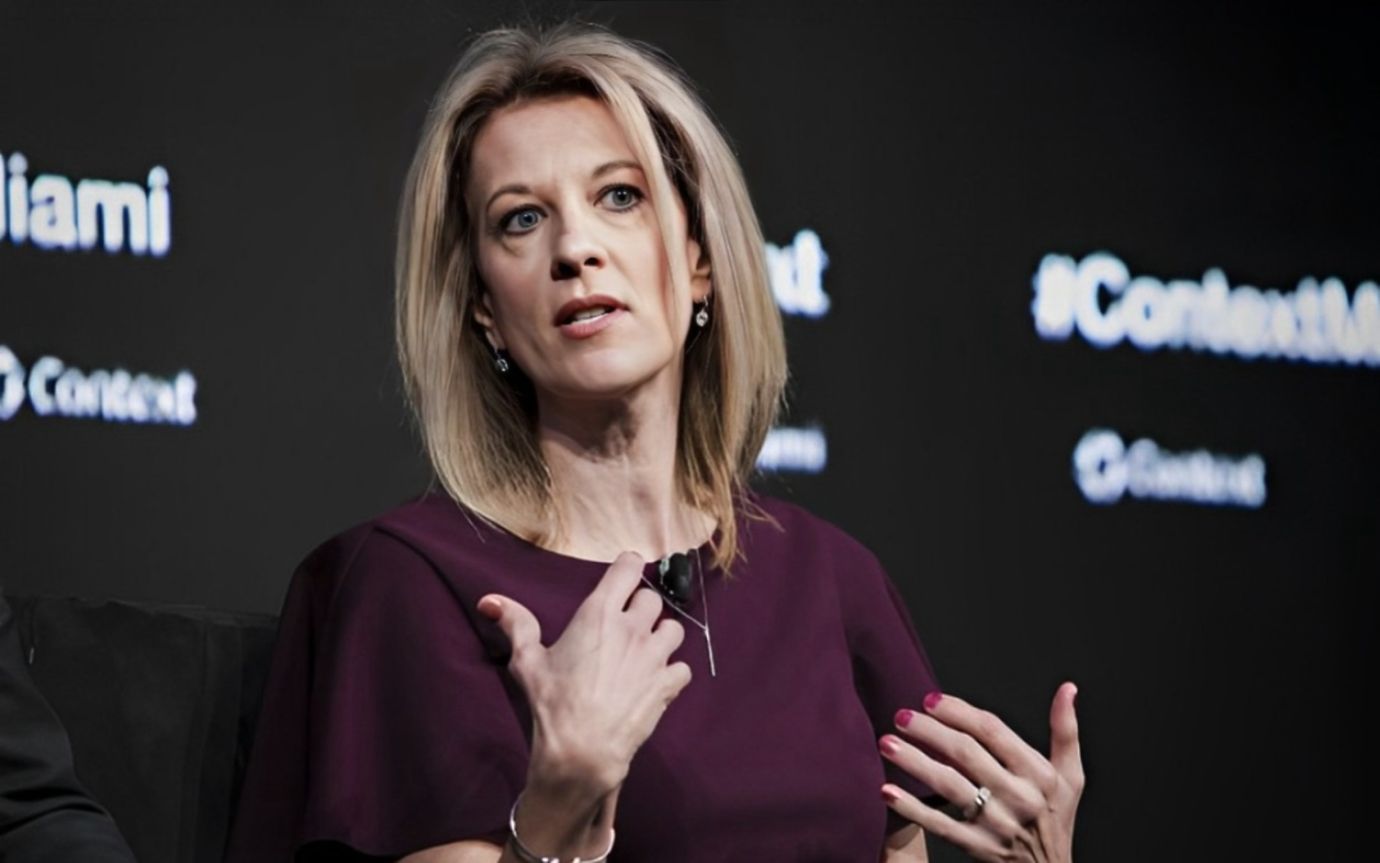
(577, 247)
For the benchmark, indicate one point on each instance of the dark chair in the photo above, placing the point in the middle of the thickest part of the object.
(159, 702)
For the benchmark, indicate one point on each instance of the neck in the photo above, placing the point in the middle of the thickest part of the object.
(613, 476)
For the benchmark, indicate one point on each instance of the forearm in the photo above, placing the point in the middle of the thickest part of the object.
(552, 825)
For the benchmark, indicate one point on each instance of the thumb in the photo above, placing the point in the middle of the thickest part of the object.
(519, 625)
(1065, 753)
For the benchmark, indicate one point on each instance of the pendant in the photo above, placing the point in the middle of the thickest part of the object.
(709, 645)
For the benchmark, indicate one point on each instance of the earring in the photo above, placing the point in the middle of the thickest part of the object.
(500, 361)
(702, 316)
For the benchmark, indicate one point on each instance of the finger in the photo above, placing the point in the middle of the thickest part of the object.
(618, 582)
(987, 728)
(644, 609)
(908, 844)
(973, 760)
(1065, 752)
(949, 782)
(977, 842)
(518, 624)
(668, 635)
(669, 682)
(677, 677)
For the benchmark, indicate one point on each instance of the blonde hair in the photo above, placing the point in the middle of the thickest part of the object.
(478, 426)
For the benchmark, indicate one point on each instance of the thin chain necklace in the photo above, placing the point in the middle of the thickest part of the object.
(704, 627)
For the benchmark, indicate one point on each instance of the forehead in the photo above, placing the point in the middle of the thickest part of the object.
(542, 141)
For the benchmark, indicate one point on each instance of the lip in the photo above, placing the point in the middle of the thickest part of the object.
(579, 303)
(585, 329)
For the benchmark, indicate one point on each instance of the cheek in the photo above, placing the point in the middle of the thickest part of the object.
(676, 319)
(506, 284)
(650, 276)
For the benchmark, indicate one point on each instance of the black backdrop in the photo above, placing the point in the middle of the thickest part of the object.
(939, 151)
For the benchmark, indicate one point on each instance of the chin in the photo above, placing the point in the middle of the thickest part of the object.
(606, 378)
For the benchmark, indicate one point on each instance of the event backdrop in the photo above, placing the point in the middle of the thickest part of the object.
(1082, 310)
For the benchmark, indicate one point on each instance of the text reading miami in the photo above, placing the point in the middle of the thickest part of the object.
(52, 212)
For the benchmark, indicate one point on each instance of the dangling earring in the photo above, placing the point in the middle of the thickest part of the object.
(500, 361)
(702, 316)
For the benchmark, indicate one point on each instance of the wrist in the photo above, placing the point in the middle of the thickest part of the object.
(571, 778)
(560, 826)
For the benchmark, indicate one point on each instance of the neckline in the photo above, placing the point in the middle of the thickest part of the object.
(705, 549)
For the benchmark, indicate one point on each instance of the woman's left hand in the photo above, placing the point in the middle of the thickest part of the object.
(1028, 801)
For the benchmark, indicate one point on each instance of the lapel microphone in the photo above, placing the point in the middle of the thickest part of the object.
(674, 570)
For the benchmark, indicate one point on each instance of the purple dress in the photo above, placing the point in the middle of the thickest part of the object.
(390, 722)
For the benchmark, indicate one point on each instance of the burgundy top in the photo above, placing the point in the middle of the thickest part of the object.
(390, 722)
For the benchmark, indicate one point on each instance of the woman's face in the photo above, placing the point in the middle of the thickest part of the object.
(576, 285)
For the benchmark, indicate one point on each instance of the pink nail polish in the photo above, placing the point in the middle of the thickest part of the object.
(888, 795)
(903, 717)
(932, 698)
(888, 744)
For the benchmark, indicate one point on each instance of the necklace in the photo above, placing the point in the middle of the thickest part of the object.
(704, 627)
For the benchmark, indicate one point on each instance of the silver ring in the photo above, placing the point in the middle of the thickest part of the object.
(979, 800)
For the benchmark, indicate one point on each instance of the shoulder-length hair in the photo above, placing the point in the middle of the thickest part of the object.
(478, 425)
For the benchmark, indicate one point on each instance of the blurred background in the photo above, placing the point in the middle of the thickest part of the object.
(1082, 315)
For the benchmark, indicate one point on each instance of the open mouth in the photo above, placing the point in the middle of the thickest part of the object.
(585, 316)
(588, 314)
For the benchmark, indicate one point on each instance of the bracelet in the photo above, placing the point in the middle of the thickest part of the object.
(528, 857)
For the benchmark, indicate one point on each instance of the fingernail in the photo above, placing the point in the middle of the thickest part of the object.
(932, 698)
(888, 744)
(888, 794)
(1074, 699)
(903, 717)
(490, 608)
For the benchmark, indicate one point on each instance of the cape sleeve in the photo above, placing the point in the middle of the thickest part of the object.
(890, 667)
(386, 727)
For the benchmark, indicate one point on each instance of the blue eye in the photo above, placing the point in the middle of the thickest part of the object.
(518, 214)
(635, 193)
(633, 197)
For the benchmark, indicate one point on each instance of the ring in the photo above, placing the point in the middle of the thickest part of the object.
(979, 800)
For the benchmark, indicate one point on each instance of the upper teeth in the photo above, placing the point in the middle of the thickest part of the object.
(591, 312)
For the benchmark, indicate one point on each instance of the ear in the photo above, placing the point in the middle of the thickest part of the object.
(700, 281)
(484, 316)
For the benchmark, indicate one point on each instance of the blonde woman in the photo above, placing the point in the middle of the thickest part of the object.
(593, 635)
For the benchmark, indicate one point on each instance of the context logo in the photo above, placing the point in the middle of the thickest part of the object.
(794, 450)
(56, 389)
(1105, 470)
(1315, 323)
(53, 212)
(797, 275)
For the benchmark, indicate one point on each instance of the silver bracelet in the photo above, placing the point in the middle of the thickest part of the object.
(528, 857)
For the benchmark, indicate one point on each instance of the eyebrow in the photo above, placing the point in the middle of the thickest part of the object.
(520, 189)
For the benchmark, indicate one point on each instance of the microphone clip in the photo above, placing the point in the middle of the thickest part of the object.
(674, 571)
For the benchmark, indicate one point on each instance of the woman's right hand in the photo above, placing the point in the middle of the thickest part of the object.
(597, 693)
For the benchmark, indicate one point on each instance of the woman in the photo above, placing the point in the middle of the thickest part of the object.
(594, 623)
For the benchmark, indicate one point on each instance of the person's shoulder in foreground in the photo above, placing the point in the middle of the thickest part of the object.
(46, 815)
